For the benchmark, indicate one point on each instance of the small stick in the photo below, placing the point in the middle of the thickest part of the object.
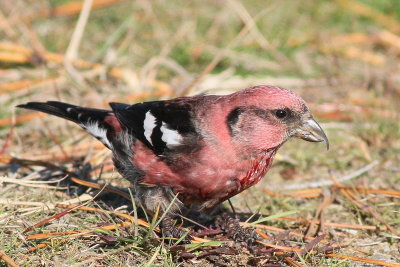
(7, 259)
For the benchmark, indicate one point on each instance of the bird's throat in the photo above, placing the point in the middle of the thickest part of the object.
(258, 169)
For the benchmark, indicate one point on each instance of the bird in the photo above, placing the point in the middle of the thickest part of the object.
(194, 151)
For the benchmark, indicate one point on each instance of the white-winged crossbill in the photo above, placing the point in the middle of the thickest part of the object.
(205, 148)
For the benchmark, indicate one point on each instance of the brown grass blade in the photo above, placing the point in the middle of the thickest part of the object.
(14, 53)
(316, 192)
(110, 227)
(262, 234)
(5, 159)
(349, 194)
(80, 232)
(389, 38)
(328, 197)
(351, 38)
(370, 190)
(8, 57)
(359, 259)
(39, 246)
(21, 119)
(8, 139)
(98, 186)
(24, 84)
(292, 262)
(48, 220)
(119, 214)
(283, 248)
(72, 8)
(7, 259)
(307, 193)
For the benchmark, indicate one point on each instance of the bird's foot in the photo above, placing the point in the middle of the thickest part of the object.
(169, 229)
(232, 227)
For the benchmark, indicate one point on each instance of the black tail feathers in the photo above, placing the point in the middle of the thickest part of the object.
(90, 119)
(70, 112)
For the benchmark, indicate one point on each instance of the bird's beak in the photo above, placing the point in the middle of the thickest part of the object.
(310, 130)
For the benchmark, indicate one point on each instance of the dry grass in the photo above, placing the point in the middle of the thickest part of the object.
(342, 56)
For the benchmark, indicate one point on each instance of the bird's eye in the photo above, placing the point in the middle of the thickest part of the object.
(280, 113)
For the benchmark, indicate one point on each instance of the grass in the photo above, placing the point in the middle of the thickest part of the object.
(340, 58)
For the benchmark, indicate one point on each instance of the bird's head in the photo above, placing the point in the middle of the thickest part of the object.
(264, 117)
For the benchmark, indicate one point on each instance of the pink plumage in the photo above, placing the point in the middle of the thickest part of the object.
(204, 148)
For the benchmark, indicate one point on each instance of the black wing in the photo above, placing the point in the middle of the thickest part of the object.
(163, 126)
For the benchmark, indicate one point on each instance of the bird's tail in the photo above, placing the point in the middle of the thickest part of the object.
(70, 112)
(90, 119)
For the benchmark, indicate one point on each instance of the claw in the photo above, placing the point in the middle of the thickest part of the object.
(232, 227)
(168, 229)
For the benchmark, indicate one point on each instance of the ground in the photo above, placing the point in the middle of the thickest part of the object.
(341, 56)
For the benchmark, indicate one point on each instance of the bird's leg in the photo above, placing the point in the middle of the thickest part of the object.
(157, 199)
(169, 229)
(232, 227)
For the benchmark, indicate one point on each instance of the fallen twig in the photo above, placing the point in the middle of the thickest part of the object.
(7, 259)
